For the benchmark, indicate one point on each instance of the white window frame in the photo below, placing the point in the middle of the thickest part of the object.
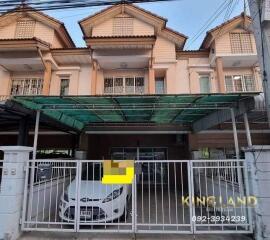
(209, 81)
(124, 85)
(29, 91)
(61, 79)
(158, 79)
(243, 83)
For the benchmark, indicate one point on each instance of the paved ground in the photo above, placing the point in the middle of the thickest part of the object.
(92, 236)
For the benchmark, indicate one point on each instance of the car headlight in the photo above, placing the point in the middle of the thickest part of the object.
(66, 197)
(115, 194)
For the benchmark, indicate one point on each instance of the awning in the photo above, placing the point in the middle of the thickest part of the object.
(81, 111)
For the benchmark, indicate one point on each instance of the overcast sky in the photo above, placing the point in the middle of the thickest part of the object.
(185, 16)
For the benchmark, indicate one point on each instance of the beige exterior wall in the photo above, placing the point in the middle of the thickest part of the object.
(56, 42)
(164, 50)
(44, 32)
(41, 31)
(140, 28)
(103, 29)
(181, 75)
(4, 82)
(8, 31)
(223, 43)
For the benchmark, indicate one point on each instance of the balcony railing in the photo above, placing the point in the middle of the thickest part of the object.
(124, 85)
(26, 86)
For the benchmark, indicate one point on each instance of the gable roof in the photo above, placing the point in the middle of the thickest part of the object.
(211, 34)
(154, 19)
(107, 9)
(57, 25)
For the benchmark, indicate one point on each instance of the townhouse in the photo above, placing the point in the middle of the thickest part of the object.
(134, 93)
(129, 51)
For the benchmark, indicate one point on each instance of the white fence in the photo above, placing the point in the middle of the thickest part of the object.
(167, 196)
(221, 196)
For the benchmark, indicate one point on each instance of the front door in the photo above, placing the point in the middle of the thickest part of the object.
(153, 173)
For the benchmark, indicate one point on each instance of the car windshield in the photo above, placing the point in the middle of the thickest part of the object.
(92, 171)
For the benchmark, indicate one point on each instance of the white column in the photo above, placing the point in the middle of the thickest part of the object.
(236, 144)
(12, 187)
(36, 134)
(258, 160)
(249, 141)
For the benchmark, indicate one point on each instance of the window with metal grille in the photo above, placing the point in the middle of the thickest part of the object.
(124, 85)
(123, 26)
(241, 43)
(64, 86)
(25, 29)
(240, 83)
(26, 86)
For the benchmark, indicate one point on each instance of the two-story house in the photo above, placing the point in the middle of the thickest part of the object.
(129, 51)
(132, 93)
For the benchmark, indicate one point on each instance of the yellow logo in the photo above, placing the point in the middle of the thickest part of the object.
(118, 172)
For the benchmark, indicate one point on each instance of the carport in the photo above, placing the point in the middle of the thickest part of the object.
(151, 194)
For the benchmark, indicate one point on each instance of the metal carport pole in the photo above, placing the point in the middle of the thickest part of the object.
(237, 153)
(36, 135)
(249, 141)
(236, 144)
(33, 165)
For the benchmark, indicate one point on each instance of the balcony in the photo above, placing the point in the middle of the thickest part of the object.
(22, 55)
(239, 50)
(232, 60)
(240, 83)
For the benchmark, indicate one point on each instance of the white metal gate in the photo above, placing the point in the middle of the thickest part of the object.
(167, 196)
(220, 195)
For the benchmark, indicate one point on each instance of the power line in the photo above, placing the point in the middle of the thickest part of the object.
(65, 4)
(208, 23)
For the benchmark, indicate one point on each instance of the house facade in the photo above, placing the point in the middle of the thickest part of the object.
(132, 93)
(129, 52)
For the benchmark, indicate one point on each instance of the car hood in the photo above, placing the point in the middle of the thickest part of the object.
(92, 189)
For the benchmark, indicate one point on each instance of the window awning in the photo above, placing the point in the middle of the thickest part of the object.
(81, 111)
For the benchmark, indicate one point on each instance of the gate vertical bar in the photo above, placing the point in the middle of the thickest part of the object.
(249, 212)
(77, 198)
(25, 194)
(33, 163)
(134, 213)
(191, 196)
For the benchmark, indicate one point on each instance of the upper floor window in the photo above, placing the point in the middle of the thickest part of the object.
(241, 43)
(26, 86)
(204, 84)
(25, 29)
(160, 85)
(240, 83)
(64, 86)
(124, 85)
(123, 26)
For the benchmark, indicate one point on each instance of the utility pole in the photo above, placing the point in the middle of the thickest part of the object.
(260, 14)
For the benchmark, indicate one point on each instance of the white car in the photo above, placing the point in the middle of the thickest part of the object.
(98, 202)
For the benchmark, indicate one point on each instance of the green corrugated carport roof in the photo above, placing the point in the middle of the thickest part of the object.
(80, 111)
